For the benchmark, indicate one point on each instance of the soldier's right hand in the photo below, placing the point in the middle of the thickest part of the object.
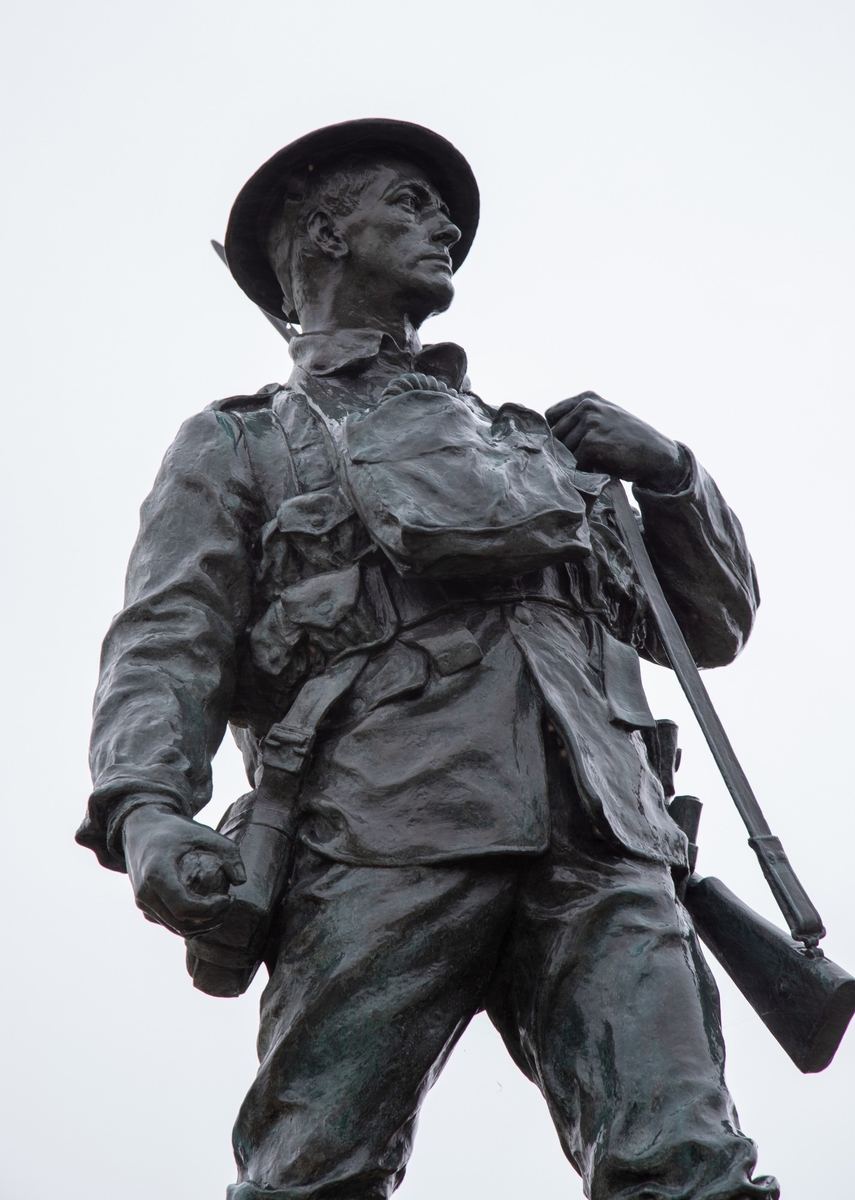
(180, 870)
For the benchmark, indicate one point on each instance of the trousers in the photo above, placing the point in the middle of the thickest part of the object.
(587, 965)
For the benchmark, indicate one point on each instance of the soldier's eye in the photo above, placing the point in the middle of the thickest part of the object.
(409, 201)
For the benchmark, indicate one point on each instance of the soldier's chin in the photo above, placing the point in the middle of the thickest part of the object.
(434, 300)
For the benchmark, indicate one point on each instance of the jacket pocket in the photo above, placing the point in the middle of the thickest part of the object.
(400, 673)
(449, 652)
(622, 684)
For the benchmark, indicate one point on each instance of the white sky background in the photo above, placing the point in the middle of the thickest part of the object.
(668, 199)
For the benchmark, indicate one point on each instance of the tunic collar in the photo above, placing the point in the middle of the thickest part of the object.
(352, 351)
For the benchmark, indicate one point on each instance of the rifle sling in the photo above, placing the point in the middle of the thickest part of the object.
(802, 917)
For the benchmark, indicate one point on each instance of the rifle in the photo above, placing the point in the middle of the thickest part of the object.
(282, 327)
(804, 999)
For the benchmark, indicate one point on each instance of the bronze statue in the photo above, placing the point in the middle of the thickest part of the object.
(422, 620)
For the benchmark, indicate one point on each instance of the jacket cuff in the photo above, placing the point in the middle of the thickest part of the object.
(687, 487)
(101, 830)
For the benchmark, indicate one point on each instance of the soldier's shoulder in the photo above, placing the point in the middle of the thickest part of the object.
(261, 399)
(219, 429)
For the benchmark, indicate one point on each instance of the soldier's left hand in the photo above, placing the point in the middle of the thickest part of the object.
(604, 437)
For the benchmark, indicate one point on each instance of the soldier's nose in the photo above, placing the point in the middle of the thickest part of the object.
(446, 232)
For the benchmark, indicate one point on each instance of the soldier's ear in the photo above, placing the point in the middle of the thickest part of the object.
(323, 232)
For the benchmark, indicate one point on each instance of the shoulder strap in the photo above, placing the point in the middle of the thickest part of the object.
(270, 457)
(266, 443)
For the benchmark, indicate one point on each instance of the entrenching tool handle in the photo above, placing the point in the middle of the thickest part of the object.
(802, 917)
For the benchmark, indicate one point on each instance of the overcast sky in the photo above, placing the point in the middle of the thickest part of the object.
(668, 195)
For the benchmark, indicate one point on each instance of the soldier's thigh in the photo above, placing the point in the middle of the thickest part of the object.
(604, 999)
(378, 973)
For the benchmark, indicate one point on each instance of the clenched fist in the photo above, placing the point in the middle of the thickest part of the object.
(604, 437)
(180, 870)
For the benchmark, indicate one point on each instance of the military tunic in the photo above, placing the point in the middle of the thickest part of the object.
(452, 856)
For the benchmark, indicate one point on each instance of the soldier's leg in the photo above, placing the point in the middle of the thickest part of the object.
(604, 1000)
(379, 972)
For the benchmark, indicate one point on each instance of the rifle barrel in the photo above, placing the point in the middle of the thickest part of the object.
(280, 326)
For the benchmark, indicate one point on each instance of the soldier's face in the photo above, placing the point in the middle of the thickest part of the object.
(399, 239)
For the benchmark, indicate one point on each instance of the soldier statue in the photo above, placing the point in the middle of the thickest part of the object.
(419, 617)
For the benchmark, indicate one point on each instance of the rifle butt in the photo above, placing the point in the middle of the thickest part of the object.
(805, 1000)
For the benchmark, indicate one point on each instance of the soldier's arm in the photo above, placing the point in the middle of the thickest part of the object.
(168, 667)
(700, 555)
(695, 541)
